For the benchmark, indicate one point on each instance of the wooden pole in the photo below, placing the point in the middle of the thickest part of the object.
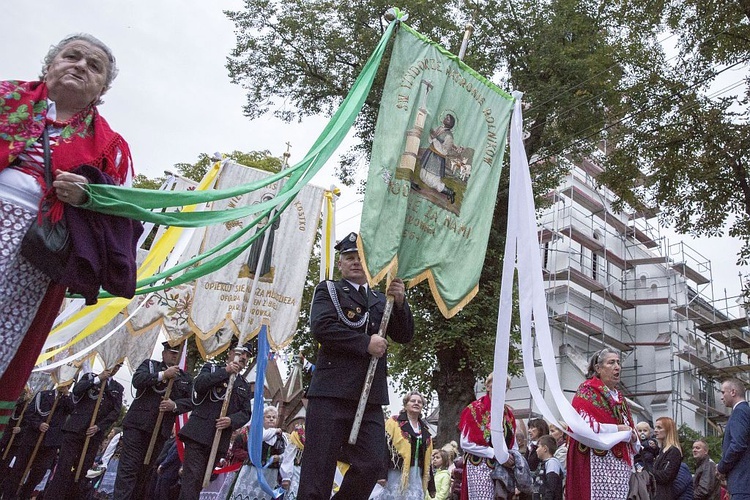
(13, 436)
(39, 442)
(217, 434)
(93, 421)
(370, 374)
(157, 428)
(465, 42)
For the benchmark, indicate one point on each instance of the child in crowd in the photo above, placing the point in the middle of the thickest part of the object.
(440, 463)
(548, 484)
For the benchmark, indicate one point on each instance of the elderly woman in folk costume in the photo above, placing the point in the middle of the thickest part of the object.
(595, 473)
(476, 442)
(409, 452)
(272, 453)
(52, 142)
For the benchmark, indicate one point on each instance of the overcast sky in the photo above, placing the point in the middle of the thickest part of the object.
(173, 99)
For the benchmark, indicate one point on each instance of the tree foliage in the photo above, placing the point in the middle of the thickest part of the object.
(597, 81)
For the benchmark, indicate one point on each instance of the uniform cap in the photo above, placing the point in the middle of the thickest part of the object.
(347, 244)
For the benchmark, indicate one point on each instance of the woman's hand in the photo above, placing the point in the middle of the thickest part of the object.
(68, 187)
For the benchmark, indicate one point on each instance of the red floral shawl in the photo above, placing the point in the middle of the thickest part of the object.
(475, 423)
(594, 400)
(86, 139)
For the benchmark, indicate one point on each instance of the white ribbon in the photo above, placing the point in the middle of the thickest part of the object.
(522, 233)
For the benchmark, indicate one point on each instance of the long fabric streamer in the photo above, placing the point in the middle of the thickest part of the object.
(522, 234)
(255, 439)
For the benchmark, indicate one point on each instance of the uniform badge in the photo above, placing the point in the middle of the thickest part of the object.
(350, 314)
(352, 237)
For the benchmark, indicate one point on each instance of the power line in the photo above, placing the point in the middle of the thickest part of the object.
(636, 112)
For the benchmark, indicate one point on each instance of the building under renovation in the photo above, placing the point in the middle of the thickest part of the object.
(612, 280)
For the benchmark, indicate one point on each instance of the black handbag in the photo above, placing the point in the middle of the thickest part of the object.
(47, 245)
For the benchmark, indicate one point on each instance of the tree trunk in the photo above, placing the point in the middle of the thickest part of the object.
(455, 389)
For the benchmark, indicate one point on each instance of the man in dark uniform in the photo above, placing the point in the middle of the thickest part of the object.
(78, 427)
(40, 422)
(198, 434)
(13, 428)
(345, 318)
(150, 381)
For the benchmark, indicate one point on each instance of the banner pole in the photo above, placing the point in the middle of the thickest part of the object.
(382, 331)
(157, 428)
(465, 42)
(18, 424)
(38, 442)
(93, 422)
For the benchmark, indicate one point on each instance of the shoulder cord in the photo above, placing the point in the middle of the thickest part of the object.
(214, 395)
(38, 405)
(337, 306)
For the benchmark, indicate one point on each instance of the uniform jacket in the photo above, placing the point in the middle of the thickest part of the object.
(706, 485)
(85, 394)
(210, 387)
(38, 412)
(149, 391)
(735, 450)
(342, 357)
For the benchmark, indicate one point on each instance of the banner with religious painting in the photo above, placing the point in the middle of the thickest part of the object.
(433, 179)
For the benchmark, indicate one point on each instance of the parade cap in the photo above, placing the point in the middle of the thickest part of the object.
(168, 347)
(347, 244)
(243, 348)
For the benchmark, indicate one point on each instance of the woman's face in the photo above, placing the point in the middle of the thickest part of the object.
(269, 420)
(437, 461)
(659, 431)
(534, 433)
(608, 369)
(555, 432)
(77, 75)
(414, 405)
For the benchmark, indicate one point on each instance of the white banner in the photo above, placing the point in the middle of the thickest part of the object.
(222, 305)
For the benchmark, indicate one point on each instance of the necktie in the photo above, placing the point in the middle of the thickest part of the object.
(363, 292)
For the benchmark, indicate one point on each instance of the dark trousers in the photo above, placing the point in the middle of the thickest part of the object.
(132, 476)
(63, 485)
(44, 461)
(193, 469)
(166, 481)
(327, 427)
(12, 477)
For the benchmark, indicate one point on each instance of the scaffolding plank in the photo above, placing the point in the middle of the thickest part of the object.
(546, 235)
(728, 371)
(729, 325)
(690, 273)
(578, 323)
(590, 167)
(705, 409)
(653, 301)
(617, 344)
(590, 284)
(690, 313)
(642, 237)
(690, 355)
(648, 260)
(577, 195)
(739, 342)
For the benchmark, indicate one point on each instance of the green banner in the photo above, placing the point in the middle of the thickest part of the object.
(433, 179)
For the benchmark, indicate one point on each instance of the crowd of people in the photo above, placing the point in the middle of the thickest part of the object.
(52, 142)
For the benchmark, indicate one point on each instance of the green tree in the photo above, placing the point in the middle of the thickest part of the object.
(572, 59)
